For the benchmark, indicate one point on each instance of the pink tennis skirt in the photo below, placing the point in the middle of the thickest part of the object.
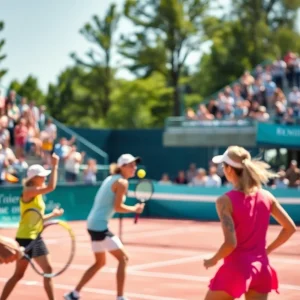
(236, 277)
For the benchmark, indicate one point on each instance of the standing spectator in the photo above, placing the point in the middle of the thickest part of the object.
(73, 162)
(293, 174)
(2, 104)
(213, 180)
(289, 59)
(270, 87)
(297, 71)
(278, 72)
(42, 117)
(181, 179)
(21, 135)
(23, 106)
(34, 111)
(13, 115)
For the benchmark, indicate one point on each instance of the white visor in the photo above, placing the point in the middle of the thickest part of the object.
(37, 170)
(226, 159)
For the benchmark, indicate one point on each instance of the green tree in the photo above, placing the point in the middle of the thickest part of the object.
(101, 32)
(140, 103)
(254, 32)
(29, 89)
(168, 31)
(2, 56)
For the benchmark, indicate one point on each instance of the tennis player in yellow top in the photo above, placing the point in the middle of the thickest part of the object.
(32, 197)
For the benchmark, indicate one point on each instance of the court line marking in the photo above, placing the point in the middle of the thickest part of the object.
(281, 258)
(177, 276)
(68, 287)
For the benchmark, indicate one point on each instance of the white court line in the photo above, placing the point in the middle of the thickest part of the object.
(274, 257)
(177, 276)
(171, 262)
(68, 287)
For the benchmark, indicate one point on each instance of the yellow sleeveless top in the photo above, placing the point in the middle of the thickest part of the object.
(37, 203)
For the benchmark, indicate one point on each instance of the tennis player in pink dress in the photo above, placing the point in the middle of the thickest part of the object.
(245, 213)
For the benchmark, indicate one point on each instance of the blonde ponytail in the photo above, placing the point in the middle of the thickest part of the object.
(114, 169)
(255, 173)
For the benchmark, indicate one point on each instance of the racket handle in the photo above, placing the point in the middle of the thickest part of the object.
(136, 218)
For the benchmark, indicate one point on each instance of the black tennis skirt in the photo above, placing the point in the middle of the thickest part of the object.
(39, 249)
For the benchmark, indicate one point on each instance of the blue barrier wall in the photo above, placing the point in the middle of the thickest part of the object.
(180, 202)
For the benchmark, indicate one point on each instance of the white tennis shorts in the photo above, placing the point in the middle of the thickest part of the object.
(103, 241)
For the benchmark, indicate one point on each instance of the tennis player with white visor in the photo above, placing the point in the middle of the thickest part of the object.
(224, 158)
(109, 199)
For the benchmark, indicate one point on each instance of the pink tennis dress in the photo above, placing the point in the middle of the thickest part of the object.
(247, 267)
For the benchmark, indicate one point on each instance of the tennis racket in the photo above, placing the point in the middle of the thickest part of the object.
(143, 192)
(58, 237)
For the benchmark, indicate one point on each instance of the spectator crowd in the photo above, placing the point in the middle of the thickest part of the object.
(194, 176)
(269, 93)
(26, 132)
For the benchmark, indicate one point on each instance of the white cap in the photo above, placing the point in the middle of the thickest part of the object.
(125, 159)
(37, 170)
(226, 159)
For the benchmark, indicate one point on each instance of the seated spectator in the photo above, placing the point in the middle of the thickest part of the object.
(20, 167)
(62, 148)
(190, 114)
(200, 179)
(280, 110)
(294, 97)
(281, 182)
(213, 179)
(240, 111)
(181, 179)
(203, 113)
(289, 117)
(213, 107)
(191, 172)
(3, 164)
(165, 179)
(261, 115)
(4, 135)
(90, 173)
(293, 174)
(8, 152)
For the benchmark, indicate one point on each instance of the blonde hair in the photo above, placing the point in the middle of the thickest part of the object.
(114, 169)
(254, 173)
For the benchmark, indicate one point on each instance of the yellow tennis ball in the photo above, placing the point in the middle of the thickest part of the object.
(141, 173)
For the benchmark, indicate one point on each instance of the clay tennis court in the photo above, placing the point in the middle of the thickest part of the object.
(165, 263)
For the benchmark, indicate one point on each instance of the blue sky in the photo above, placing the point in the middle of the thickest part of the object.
(40, 35)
